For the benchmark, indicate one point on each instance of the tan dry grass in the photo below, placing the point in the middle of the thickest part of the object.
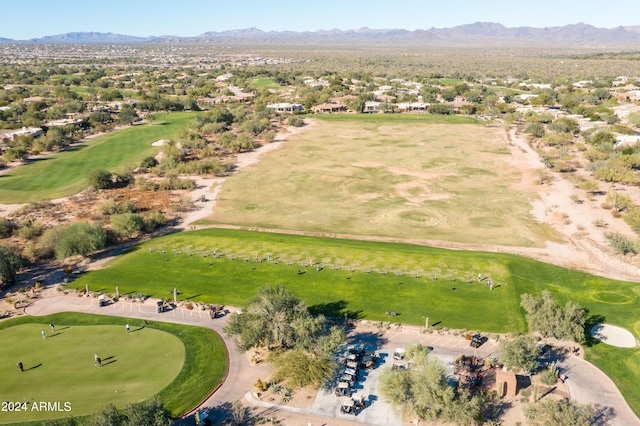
(451, 182)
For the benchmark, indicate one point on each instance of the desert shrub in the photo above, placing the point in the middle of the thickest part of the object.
(80, 238)
(127, 224)
(255, 126)
(634, 118)
(148, 162)
(15, 154)
(623, 130)
(101, 179)
(544, 176)
(144, 184)
(260, 385)
(619, 201)
(620, 243)
(202, 167)
(295, 121)
(6, 227)
(184, 204)
(441, 109)
(549, 375)
(633, 218)
(111, 207)
(560, 413)
(269, 136)
(556, 140)
(211, 128)
(174, 183)
(154, 220)
(11, 261)
(30, 230)
(565, 125)
(601, 136)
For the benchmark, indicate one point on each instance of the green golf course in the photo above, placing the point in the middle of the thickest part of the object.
(66, 173)
(179, 364)
(366, 279)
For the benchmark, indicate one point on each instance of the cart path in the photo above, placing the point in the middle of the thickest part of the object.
(586, 383)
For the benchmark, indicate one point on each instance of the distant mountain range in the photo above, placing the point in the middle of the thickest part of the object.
(479, 33)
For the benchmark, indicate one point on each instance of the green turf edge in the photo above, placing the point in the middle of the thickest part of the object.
(205, 365)
(377, 118)
(526, 276)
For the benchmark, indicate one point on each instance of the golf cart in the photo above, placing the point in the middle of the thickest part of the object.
(348, 406)
(343, 389)
(399, 354)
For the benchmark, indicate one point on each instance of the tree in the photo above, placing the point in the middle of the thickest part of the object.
(440, 109)
(303, 344)
(99, 118)
(547, 317)
(148, 413)
(127, 114)
(560, 413)
(356, 105)
(101, 179)
(268, 319)
(10, 263)
(108, 416)
(424, 391)
(238, 412)
(519, 353)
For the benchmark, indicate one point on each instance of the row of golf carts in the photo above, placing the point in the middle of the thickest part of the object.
(353, 359)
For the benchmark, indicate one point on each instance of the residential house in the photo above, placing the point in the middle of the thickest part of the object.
(286, 107)
(329, 108)
(371, 106)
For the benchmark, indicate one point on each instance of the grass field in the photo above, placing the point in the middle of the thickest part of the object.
(264, 83)
(179, 363)
(65, 173)
(420, 177)
(371, 278)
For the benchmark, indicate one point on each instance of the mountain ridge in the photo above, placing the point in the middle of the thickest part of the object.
(477, 33)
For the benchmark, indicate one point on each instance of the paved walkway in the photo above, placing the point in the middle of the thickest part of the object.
(585, 382)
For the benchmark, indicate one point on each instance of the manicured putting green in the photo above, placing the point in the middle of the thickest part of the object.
(60, 368)
(179, 364)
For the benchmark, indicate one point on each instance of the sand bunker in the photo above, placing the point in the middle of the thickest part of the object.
(614, 335)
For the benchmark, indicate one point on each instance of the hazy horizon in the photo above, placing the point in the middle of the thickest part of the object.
(189, 18)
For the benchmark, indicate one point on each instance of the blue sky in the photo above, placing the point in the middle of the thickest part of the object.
(25, 19)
